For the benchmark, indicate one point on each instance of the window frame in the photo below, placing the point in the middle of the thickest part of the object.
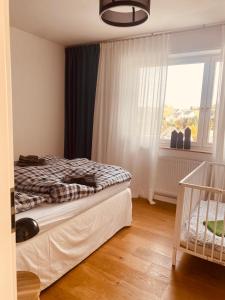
(209, 58)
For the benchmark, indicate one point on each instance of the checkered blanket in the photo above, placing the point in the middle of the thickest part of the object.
(35, 185)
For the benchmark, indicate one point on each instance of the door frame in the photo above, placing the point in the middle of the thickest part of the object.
(7, 237)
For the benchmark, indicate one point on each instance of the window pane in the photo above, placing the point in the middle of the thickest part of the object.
(214, 100)
(183, 99)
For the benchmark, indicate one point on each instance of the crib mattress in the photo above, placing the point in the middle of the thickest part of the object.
(51, 215)
(203, 231)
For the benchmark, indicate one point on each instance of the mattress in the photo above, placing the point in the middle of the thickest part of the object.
(50, 215)
(203, 232)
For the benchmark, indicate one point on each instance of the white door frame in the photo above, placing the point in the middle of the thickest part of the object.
(7, 238)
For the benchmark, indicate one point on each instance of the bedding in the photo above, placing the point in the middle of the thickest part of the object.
(51, 215)
(40, 184)
(216, 227)
(30, 160)
(27, 201)
(202, 229)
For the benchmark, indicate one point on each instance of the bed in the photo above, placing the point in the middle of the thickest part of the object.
(71, 230)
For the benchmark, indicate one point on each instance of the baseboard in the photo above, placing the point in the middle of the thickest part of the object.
(164, 198)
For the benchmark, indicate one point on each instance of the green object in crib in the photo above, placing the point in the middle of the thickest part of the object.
(215, 227)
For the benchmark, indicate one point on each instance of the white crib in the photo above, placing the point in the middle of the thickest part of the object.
(201, 199)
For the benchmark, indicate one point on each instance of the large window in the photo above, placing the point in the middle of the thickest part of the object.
(191, 95)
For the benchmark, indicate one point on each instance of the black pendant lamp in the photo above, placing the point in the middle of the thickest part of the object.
(124, 13)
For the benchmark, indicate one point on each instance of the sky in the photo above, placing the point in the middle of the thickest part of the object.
(184, 85)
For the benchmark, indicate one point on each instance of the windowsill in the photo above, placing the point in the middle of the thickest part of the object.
(209, 151)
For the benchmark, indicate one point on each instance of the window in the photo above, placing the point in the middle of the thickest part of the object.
(190, 101)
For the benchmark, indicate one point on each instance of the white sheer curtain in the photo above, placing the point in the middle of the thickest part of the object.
(129, 107)
(219, 136)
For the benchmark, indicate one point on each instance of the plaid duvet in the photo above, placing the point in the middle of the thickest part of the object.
(25, 201)
(35, 185)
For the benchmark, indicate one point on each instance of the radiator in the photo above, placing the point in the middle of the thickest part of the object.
(170, 171)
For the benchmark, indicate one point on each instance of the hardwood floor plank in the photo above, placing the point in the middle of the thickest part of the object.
(136, 265)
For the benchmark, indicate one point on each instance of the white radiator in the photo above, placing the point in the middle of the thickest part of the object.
(170, 171)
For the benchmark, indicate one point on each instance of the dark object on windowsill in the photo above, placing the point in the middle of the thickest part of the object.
(26, 228)
(173, 141)
(187, 138)
(180, 140)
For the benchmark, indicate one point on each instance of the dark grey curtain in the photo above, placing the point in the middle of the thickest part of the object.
(81, 71)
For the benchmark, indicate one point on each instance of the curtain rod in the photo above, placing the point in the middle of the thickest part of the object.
(171, 31)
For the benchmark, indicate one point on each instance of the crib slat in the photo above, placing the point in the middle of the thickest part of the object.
(212, 175)
(222, 239)
(206, 224)
(197, 227)
(189, 219)
(214, 234)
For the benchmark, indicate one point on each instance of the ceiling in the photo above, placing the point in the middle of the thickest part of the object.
(70, 22)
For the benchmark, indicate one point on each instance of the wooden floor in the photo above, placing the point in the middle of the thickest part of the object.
(136, 265)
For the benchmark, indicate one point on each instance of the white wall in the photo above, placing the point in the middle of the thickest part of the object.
(208, 38)
(38, 94)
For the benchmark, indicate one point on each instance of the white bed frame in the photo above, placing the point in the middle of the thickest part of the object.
(206, 182)
(54, 252)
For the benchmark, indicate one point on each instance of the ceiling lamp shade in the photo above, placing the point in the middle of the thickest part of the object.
(124, 13)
